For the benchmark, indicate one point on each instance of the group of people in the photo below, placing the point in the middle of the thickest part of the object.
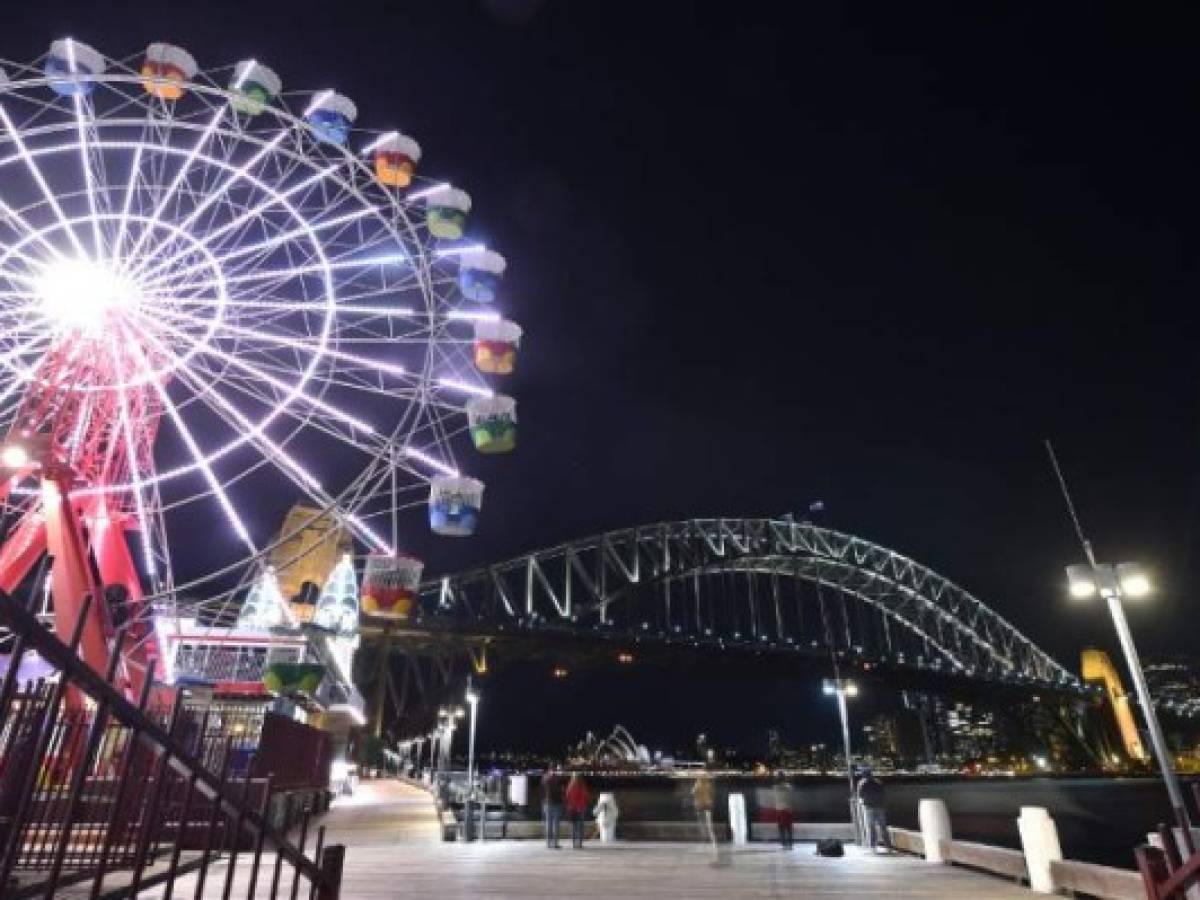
(573, 798)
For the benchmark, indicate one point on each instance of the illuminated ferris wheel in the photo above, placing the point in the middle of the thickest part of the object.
(211, 288)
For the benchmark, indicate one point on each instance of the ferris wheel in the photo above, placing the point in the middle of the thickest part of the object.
(211, 288)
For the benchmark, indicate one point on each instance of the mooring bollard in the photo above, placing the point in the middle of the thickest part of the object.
(1039, 840)
(934, 819)
(606, 817)
(737, 818)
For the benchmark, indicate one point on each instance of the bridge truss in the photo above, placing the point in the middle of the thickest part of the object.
(767, 585)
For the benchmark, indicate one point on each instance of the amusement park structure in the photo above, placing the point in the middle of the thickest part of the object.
(214, 291)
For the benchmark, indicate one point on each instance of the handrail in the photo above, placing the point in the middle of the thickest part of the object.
(33, 636)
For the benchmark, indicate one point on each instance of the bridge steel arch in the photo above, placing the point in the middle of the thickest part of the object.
(767, 584)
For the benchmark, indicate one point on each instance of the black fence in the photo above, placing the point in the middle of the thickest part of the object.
(94, 787)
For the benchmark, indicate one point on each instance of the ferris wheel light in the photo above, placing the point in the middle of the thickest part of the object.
(80, 294)
(459, 250)
(471, 315)
(475, 389)
(14, 456)
(429, 191)
(432, 462)
(379, 142)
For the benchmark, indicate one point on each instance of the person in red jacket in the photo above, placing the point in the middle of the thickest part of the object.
(576, 802)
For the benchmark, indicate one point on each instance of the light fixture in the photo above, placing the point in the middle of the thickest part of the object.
(851, 689)
(1081, 581)
(14, 456)
(472, 696)
(1133, 580)
(1127, 579)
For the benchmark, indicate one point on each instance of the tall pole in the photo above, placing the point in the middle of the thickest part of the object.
(1147, 703)
(473, 700)
(844, 715)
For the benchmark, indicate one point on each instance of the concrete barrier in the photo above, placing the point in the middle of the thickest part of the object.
(1102, 882)
(997, 860)
(803, 831)
(905, 840)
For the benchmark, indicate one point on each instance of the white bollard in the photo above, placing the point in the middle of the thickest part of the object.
(518, 790)
(606, 817)
(737, 818)
(934, 819)
(1039, 840)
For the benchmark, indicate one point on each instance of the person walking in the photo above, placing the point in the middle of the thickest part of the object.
(552, 801)
(784, 816)
(872, 797)
(704, 796)
(576, 802)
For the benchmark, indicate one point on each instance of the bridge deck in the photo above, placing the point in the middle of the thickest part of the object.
(390, 830)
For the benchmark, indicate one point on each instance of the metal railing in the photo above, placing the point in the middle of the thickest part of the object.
(94, 787)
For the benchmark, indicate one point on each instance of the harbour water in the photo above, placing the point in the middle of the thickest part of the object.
(1099, 819)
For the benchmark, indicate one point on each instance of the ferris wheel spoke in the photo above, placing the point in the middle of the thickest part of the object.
(248, 216)
(214, 195)
(135, 173)
(291, 391)
(298, 474)
(307, 230)
(36, 172)
(296, 343)
(88, 174)
(131, 451)
(193, 447)
(165, 202)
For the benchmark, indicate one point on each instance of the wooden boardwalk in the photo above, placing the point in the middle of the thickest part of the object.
(393, 850)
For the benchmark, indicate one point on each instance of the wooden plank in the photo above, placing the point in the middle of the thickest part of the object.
(393, 849)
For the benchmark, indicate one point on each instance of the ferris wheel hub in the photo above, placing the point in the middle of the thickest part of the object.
(84, 295)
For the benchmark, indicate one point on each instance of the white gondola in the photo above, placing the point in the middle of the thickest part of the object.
(446, 213)
(390, 585)
(493, 422)
(454, 505)
(255, 87)
(479, 275)
(71, 65)
(496, 345)
(166, 70)
(330, 114)
(396, 158)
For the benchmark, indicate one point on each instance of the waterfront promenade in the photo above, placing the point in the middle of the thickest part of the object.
(393, 849)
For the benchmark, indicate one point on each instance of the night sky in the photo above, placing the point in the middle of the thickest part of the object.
(867, 254)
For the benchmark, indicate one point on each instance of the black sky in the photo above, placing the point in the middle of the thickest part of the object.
(867, 253)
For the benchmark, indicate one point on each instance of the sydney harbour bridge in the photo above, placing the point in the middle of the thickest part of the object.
(790, 593)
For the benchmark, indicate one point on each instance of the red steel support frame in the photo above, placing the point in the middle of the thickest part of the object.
(85, 425)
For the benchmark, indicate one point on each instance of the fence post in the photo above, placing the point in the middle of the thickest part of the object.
(935, 828)
(333, 858)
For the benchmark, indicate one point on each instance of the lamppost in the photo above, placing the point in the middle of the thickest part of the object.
(473, 701)
(1114, 584)
(841, 689)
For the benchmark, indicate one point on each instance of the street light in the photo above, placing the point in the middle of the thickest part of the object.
(473, 701)
(837, 687)
(1114, 583)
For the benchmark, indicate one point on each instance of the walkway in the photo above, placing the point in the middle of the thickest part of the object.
(391, 834)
